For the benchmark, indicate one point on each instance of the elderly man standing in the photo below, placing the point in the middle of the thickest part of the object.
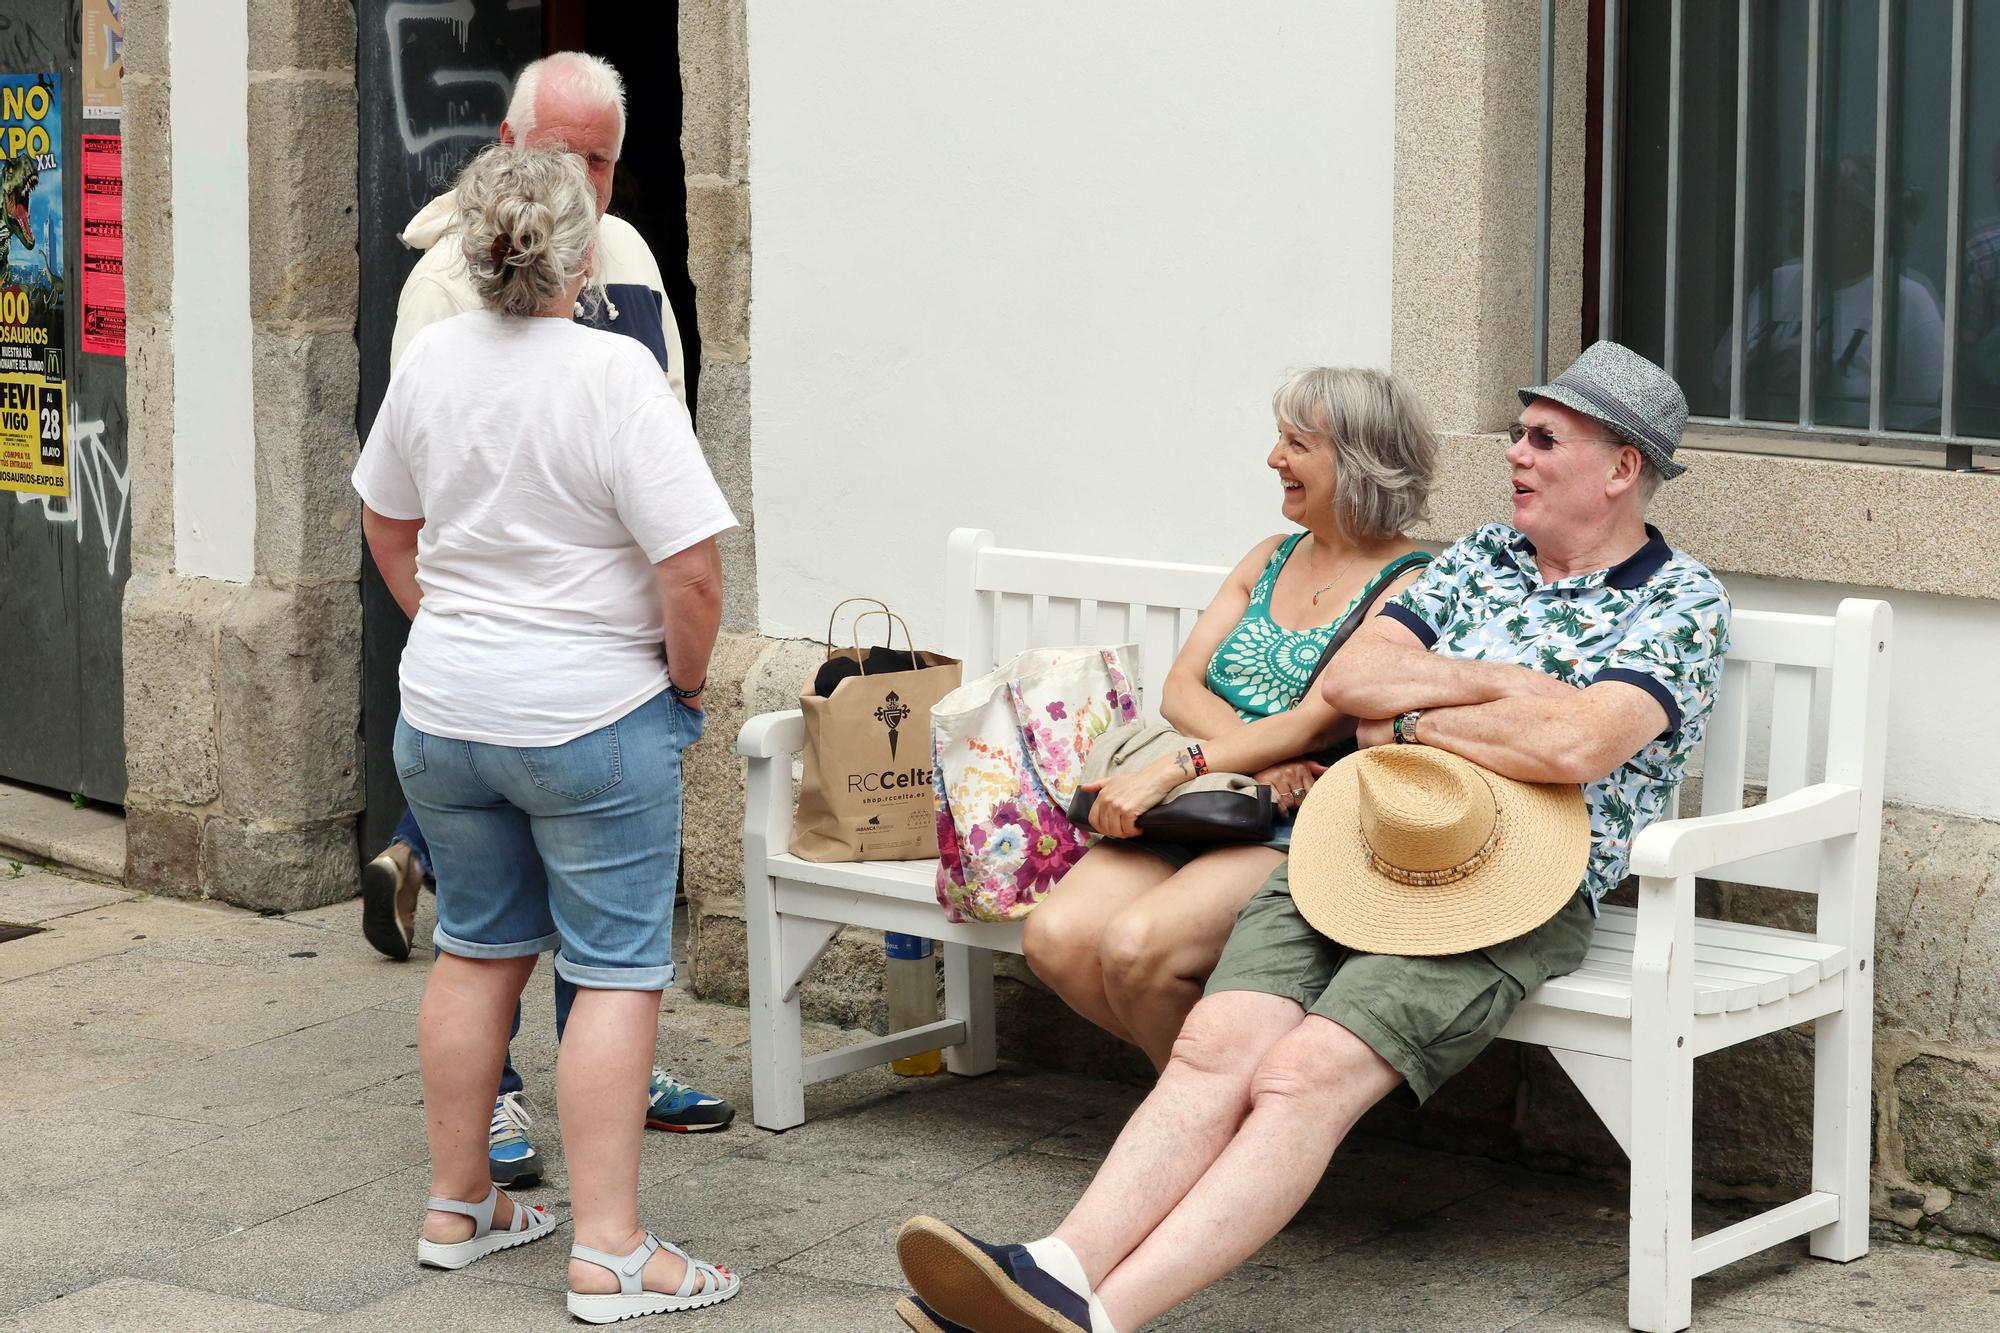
(575, 101)
(1572, 647)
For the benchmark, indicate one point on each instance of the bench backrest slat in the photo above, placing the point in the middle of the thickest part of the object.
(1783, 637)
(1004, 600)
(1797, 685)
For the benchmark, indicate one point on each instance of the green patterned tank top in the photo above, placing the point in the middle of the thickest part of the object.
(1262, 668)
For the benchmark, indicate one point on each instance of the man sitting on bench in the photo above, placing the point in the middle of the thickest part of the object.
(1573, 647)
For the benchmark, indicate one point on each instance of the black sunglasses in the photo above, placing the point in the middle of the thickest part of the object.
(1540, 438)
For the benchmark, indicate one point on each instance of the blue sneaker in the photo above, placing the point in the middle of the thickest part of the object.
(985, 1286)
(510, 1158)
(673, 1105)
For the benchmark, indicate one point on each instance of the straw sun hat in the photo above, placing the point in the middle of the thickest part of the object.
(1411, 850)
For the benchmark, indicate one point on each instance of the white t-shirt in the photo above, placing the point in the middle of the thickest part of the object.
(552, 467)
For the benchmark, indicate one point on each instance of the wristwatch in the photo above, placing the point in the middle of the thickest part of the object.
(1404, 728)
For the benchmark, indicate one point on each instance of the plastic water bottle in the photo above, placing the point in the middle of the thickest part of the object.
(912, 993)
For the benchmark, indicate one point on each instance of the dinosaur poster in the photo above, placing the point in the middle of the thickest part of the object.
(34, 416)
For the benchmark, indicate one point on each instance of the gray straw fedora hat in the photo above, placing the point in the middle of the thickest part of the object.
(1616, 386)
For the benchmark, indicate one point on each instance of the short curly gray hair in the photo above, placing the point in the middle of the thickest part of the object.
(1384, 451)
(527, 222)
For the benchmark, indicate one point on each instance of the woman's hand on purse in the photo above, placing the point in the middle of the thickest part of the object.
(1123, 797)
(1290, 781)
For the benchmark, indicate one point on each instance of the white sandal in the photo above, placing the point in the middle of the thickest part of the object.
(705, 1284)
(529, 1223)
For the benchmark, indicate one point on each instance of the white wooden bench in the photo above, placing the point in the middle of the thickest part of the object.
(1660, 985)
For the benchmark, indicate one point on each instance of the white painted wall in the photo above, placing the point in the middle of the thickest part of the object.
(1943, 729)
(1037, 267)
(215, 447)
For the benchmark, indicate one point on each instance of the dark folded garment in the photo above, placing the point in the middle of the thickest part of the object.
(881, 662)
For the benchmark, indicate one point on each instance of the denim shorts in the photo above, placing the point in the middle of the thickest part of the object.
(569, 847)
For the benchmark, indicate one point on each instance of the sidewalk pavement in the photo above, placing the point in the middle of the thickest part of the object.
(49, 827)
(213, 1121)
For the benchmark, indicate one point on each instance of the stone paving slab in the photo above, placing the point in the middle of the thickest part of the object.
(752, 1214)
(67, 1241)
(1896, 1289)
(128, 1305)
(31, 895)
(1424, 1275)
(218, 1124)
(360, 1240)
(1021, 1195)
(54, 1063)
(300, 1069)
(938, 1137)
(1604, 1308)
(283, 1164)
(54, 1149)
(116, 928)
(50, 827)
(109, 996)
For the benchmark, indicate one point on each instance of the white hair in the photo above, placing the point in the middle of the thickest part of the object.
(585, 79)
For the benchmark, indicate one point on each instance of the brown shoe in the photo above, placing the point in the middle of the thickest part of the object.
(389, 887)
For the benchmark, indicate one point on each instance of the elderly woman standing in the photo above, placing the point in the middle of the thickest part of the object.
(536, 501)
(1131, 932)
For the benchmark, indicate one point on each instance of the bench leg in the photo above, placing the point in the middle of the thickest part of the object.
(777, 1052)
(968, 997)
(1662, 1291)
(1841, 1068)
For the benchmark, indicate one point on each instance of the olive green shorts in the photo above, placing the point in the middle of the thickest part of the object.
(1426, 1016)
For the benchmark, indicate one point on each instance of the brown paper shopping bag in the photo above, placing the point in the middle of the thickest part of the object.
(866, 794)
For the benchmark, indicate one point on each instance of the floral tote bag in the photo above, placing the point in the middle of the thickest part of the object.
(1007, 754)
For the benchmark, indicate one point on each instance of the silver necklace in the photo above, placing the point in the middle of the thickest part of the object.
(1336, 578)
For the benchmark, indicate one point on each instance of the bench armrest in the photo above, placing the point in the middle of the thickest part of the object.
(771, 735)
(1678, 847)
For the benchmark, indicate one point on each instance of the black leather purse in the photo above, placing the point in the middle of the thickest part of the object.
(1198, 819)
(1214, 818)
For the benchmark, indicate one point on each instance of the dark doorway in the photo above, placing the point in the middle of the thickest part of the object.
(650, 190)
(431, 95)
(64, 557)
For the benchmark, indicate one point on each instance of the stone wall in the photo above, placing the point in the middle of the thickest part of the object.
(715, 148)
(241, 700)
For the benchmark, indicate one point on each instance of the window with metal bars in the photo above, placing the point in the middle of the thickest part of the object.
(1794, 206)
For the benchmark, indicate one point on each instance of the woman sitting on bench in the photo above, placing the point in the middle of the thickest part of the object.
(1132, 931)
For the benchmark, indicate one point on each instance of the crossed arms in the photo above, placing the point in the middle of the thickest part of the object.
(1518, 722)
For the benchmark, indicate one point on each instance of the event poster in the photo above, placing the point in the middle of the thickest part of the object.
(103, 64)
(103, 257)
(34, 420)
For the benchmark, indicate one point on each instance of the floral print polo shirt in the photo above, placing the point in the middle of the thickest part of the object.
(1657, 619)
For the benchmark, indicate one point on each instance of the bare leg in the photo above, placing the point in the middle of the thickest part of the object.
(1061, 937)
(461, 1040)
(1156, 954)
(1308, 1091)
(1179, 1130)
(602, 1070)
